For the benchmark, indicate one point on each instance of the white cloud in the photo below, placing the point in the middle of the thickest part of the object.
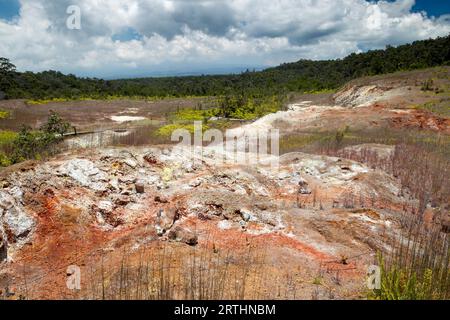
(201, 34)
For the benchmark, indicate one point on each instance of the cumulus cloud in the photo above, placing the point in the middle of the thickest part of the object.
(139, 37)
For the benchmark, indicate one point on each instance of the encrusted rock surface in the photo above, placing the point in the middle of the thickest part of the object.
(312, 209)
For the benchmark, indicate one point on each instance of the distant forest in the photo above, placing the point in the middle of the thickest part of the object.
(301, 76)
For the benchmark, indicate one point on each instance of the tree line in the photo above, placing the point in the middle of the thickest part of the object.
(301, 76)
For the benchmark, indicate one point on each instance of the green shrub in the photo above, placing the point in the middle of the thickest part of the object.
(55, 126)
(5, 161)
(401, 283)
(26, 145)
(194, 115)
(4, 114)
(245, 108)
(7, 137)
(167, 130)
(47, 101)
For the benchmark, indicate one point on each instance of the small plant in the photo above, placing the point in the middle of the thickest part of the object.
(4, 114)
(428, 85)
(7, 137)
(5, 161)
(418, 267)
(167, 130)
(318, 281)
(340, 135)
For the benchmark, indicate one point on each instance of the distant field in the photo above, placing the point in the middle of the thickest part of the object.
(94, 114)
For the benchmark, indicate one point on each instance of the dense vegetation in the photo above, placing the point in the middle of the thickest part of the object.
(32, 144)
(301, 76)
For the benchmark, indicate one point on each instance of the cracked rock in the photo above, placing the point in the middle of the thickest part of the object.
(105, 207)
(6, 201)
(84, 172)
(131, 163)
(17, 223)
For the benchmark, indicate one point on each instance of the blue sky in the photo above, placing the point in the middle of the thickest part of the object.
(9, 9)
(433, 7)
(126, 38)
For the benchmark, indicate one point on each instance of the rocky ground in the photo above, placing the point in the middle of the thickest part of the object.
(313, 210)
(307, 229)
(393, 101)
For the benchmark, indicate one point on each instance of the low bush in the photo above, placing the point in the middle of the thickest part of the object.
(4, 114)
(32, 144)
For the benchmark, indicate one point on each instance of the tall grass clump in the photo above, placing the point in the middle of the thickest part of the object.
(417, 268)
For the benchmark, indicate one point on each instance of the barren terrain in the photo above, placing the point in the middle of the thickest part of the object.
(149, 223)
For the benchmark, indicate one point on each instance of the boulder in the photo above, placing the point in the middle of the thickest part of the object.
(130, 162)
(196, 183)
(246, 215)
(122, 200)
(161, 199)
(304, 190)
(179, 234)
(128, 179)
(17, 193)
(14, 222)
(114, 184)
(105, 207)
(6, 201)
(140, 187)
(166, 219)
(105, 214)
(83, 171)
(188, 166)
(17, 223)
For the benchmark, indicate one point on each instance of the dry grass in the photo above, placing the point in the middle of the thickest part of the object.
(417, 267)
(163, 272)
